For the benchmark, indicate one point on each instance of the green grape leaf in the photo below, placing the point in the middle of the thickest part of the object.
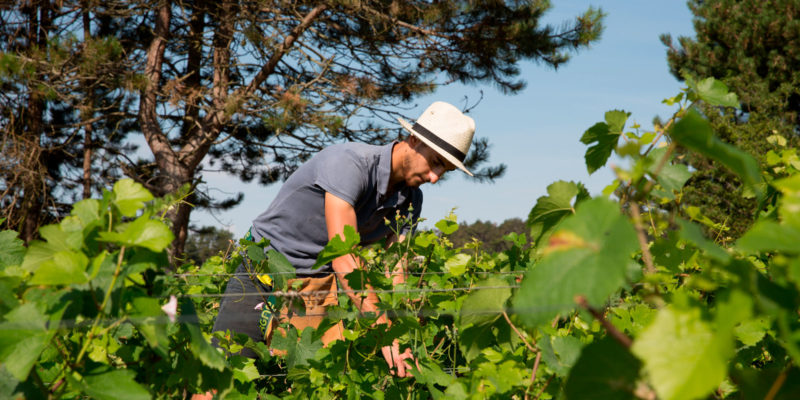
(338, 247)
(559, 353)
(553, 208)
(147, 316)
(588, 256)
(298, 352)
(23, 337)
(65, 268)
(694, 132)
(682, 355)
(605, 370)
(484, 306)
(118, 384)
(198, 344)
(12, 249)
(141, 232)
(60, 238)
(447, 226)
(429, 373)
(605, 135)
(768, 235)
(280, 269)
(692, 233)
(714, 92)
(672, 177)
(130, 196)
(632, 320)
(87, 211)
(457, 264)
(38, 252)
(670, 253)
(473, 339)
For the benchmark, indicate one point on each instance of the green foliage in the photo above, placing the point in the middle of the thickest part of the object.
(748, 47)
(624, 299)
(588, 255)
(605, 135)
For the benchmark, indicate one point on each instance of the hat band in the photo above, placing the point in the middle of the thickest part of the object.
(449, 148)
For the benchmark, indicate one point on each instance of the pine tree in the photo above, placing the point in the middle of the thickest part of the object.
(256, 88)
(753, 46)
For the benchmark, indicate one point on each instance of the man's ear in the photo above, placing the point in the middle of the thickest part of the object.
(414, 142)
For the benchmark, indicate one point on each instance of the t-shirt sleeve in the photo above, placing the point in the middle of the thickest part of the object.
(343, 175)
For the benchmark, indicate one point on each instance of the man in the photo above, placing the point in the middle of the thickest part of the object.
(348, 184)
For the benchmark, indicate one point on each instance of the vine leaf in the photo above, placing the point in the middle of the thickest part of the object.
(116, 384)
(280, 268)
(695, 133)
(592, 264)
(141, 232)
(672, 177)
(198, 344)
(298, 352)
(605, 134)
(553, 208)
(770, 235)
(560, 353)
(713, 92)
(130, 196)
(23, 336)
(338, 247)
(478, 313)
(12, 249)
(682, 355)
(485, 306)
(604, 370)
(65, 268)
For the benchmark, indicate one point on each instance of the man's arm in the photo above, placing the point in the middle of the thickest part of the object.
(338, 214)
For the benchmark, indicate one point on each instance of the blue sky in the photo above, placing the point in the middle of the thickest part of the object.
(536, 132)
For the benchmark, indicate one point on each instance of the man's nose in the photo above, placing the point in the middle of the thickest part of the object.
(434, 175)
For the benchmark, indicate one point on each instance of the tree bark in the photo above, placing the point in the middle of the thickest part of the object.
(86, 115)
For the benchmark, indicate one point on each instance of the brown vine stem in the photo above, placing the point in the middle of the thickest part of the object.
(776, 386)
(620, 337)
(533, 375)
(544, 388)
(640, 234)
(531, 348)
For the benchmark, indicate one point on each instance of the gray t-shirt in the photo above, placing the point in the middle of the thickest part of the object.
(354, 172)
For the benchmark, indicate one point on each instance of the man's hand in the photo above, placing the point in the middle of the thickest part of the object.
(396, 359)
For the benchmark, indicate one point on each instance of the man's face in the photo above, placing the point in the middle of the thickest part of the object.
(424, 164)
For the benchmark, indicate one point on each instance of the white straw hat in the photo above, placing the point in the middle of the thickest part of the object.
(445, 129)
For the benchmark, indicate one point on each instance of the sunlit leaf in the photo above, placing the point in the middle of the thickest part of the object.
(715, 92)
(551, 209)
(483, 306)
(129, 196)
(12, 249)
(682, 355)
(338, 247)
(694, 132)
(23, 337)
(595, 269)
(65, 268)
(141, 232)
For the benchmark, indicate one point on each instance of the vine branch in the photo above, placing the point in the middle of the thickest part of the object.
(612, 330)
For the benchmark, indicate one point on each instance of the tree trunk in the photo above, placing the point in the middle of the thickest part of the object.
(86, 116)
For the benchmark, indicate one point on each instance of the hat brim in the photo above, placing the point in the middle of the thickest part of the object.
(449, 157)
